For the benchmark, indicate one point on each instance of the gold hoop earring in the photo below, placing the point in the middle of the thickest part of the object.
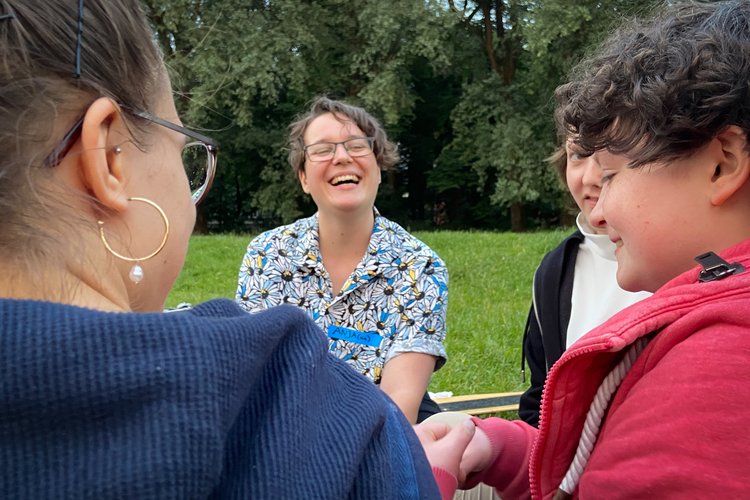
(136, 272)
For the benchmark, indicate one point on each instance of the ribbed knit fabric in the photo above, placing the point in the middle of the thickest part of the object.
(446, 481)
(205, 403)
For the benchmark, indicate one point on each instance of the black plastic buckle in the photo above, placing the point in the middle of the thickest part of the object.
(715, 268)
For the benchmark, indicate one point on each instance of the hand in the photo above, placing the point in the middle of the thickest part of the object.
(444, 446)
(477, 455)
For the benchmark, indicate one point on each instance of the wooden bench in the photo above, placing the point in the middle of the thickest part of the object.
(481, 404)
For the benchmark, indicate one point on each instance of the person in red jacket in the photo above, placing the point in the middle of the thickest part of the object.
(651, 404)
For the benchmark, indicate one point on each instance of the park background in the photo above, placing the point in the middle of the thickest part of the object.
(465, 88)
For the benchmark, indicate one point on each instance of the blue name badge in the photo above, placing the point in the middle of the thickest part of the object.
(371, 339)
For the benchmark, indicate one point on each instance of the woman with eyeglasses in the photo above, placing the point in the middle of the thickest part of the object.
(378, 293)
(102, 395)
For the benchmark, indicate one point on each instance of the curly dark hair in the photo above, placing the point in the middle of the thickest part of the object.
(660, 90)
(386, 152)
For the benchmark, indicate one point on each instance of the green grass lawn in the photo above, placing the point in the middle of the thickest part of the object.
(488, 299)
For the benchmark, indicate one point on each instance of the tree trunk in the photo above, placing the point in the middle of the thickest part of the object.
(488, 36)
(201, 222)
(516, 217)
(390, 176)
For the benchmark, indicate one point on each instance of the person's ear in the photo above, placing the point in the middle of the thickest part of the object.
(101, 163)
(733, 169)
(302, 176)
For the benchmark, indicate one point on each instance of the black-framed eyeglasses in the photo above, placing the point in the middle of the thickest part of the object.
(325, 151)
(198, 156)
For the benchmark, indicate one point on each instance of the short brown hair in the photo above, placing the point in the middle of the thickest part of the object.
(386, 152)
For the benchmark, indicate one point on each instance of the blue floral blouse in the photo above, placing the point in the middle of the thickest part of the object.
(394, 301)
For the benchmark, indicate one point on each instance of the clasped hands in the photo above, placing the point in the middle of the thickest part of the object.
(459, 450)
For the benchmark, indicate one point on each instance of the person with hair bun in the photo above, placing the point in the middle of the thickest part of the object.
(378, 293)
(103, 395)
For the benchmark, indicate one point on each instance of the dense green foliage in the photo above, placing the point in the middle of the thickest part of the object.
(464, 87)
(489, 295)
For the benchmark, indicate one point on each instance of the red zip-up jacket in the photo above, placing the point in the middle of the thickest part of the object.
(678, 425)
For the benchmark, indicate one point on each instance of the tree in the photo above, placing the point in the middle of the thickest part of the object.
(464, 87)
(502, 125)
(247, 68)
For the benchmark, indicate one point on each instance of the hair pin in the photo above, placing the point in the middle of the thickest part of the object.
(7, 17)
(79, 36)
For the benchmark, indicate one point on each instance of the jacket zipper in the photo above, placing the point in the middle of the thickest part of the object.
(544, 415)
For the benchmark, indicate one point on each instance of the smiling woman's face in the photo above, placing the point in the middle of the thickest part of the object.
(342, 184)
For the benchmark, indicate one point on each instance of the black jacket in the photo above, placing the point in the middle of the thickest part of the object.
(546, 329)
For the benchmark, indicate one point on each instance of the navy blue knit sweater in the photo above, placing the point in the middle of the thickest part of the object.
(205, 403)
